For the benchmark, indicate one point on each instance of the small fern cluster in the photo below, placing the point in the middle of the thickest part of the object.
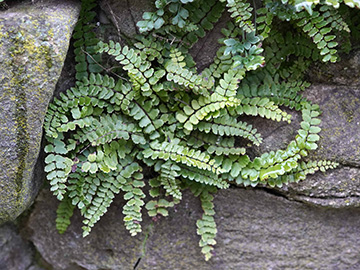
(160, 113)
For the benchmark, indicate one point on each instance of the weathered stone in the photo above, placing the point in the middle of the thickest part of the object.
(340, 142)
(335, 188)
(345, 72)
(34, 39)
(107, 247)
(340, 136)
(15, 253)
(256, 230)
(124, 14)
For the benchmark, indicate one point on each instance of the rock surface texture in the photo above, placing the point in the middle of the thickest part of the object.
(256, 230)
(15, 253)
(340, 142)
(34, 40)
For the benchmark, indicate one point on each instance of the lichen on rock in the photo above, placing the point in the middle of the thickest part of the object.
(34, 40)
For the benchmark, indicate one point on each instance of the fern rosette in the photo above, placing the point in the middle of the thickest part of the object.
(184, 128)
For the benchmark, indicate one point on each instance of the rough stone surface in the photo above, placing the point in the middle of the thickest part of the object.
(15, 253)
(340, 142)
(107, 247)
(340, 136)
(34, 39)
(256, 230)
(345, 72)
(124, 14)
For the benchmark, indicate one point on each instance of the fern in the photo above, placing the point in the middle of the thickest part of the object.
(186, 128)
(206, 226)
(64, 213)
(241, 12)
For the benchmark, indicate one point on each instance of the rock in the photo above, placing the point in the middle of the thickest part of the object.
(124, 14)
(340, 136)
(345, 72)
(256, 230)
(340, 142)
(335, 188)
(34, 39)
(15, 253)
(104, 248)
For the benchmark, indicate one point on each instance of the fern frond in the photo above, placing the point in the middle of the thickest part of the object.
(232, 165)
(202, 177)
(228, 85)
(285, 93)
(89, 97)
(318, 26)
(203, 107)
(151, 20)
(134, 195)
(229, 126)
(263, 107)
(182, 76)
(64, 212)
(86, 42)
(169, 171)
(181, 154)
(206, 14)
(110, 185)
(109, 128)
(221, 64)
(264, 21)
(206, 226)
(139, 70)
(215, 144)
(147, 118)
(57, 167)
(158, 207)
(300, 173)
(241, 11)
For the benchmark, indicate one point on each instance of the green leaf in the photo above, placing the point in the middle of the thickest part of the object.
(92, 157)
(86, 166)
(75, 113)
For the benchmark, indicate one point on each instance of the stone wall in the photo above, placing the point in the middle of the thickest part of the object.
(308, 225)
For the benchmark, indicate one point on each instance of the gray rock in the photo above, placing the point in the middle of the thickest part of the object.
(256, 230)
(345, 72)
(34, 39)
(335, 188)
(108, 246)
(340, 136)
(340, 142)
(124, 14)
(15, 253)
